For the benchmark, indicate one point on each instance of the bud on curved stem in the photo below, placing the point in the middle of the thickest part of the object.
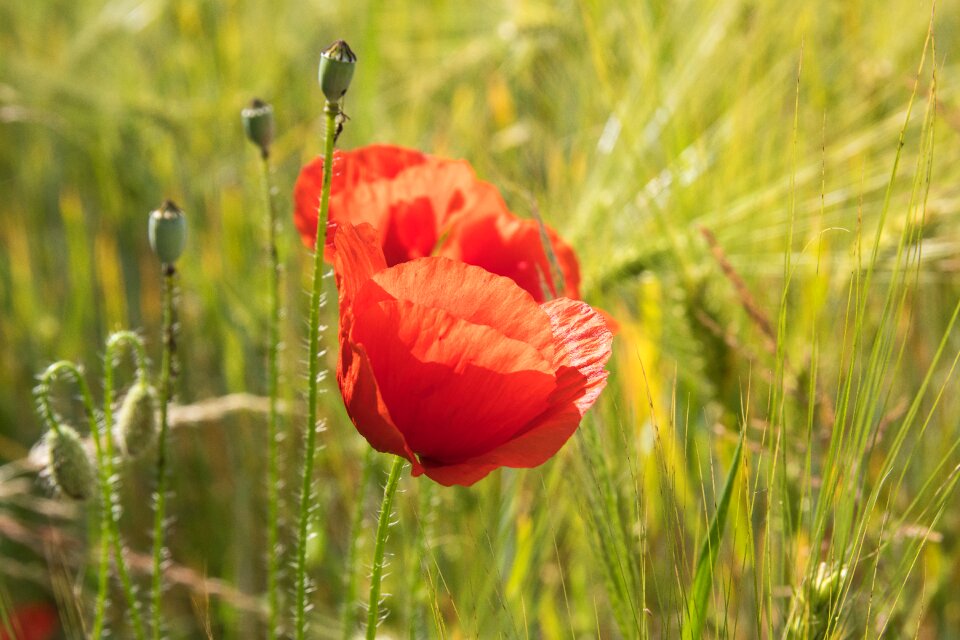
(135, 427)
(109, 529)
(70, 467)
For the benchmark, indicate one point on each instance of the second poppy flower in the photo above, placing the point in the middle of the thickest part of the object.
(421, 205)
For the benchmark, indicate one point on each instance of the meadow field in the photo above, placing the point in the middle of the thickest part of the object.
(763, 196)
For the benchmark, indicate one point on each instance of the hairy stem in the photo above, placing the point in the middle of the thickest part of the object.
(383, 528)
(166, 365)
(273, 357)
(349, 619)
(330, 110)
(109, 529)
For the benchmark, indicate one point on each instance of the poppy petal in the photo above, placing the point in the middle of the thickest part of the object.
(350, 168)
(523, 452)
(365, 405)
(584, 346)
(356, 257)
(469, 293)
(455, 389)
(509, 246)
(413, 209)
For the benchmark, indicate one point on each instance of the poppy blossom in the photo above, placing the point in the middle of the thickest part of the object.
(422, 205)
(457, 369)
(35, 621)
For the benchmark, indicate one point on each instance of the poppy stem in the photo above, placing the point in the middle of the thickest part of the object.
(383, 528)
(331, 110)
(273, 357)
(114, 343)
(349, 619)
(109, 530)
(166, 368)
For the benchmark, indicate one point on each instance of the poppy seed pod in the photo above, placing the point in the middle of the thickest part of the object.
(70, 466)
(136, 425)
(167, 231)
(258, 123)
(337, 63)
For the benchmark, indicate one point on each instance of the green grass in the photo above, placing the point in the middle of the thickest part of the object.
(765, 195)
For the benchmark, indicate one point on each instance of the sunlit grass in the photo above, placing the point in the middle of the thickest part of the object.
(764, 195)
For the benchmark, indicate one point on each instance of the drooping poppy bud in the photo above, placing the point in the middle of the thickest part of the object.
(136, 425)
(167, 231)
(258, 124)
(337, 63)
(70, 467)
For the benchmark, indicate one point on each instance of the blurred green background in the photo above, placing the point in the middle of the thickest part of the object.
(632, 128)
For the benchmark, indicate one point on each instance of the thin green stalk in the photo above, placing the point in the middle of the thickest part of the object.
(330, 110)
(349, 619)
(273, 470)
(108, 512)
(114, 343)
(166, 363)
(383, 528)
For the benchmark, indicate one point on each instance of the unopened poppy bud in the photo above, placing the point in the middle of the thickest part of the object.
(70, 467)
(258, 124)
(336, 70)
(168, 232)
(136, 425)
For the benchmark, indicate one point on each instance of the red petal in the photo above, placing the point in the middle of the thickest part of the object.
(584, 346)
(454, 389)
(36, 621)
(509, 246)
(584, 342)
(350, 168)
(523, 452)
(469, 293)
(412, 210)
(356, 257)
(365, 405)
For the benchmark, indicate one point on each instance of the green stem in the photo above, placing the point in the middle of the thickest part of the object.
(109, 529)
(383, 528)
(273, 357)
(349, 620)
(330, 110)
(166, 363)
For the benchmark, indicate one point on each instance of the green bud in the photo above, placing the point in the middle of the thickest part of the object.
(70, 467)
(258, 124)
(136, 425)
(168, 232)
(336, 70)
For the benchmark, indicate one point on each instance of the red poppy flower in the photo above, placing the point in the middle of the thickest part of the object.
(457, 369)
(422, 205)
(36, 621)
